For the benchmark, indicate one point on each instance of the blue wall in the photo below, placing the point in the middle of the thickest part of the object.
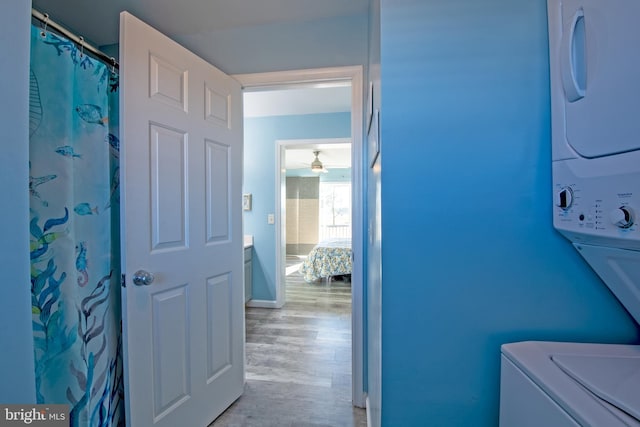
(17, 384)
(469, 257)
(260, 138)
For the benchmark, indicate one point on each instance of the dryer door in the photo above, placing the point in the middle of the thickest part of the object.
(598, 64)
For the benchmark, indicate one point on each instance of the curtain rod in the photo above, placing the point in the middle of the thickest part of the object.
(44, 18)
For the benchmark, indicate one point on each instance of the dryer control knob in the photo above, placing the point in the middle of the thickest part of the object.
(622, 217)
(564, 198)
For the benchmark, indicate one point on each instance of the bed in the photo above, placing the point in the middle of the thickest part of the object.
(327, 259)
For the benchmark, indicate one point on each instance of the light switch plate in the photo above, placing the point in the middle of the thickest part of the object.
(271, 219)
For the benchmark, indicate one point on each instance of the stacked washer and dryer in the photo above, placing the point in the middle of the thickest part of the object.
(595, 105)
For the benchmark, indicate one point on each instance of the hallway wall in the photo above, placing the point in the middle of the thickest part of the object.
(16, 334)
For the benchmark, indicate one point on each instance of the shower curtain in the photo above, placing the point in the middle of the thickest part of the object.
(74, 231)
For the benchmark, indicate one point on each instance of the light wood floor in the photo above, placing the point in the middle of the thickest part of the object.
(299, 361)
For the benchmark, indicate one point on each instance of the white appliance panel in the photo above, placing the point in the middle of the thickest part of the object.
(594, 71)
(616, 380)
(620, 270)
(535, 391)
(524, 404)
(597, 193)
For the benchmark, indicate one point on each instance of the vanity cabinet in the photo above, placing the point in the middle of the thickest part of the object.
(247, 273)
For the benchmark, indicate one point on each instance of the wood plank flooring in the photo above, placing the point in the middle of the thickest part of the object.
(299, 361)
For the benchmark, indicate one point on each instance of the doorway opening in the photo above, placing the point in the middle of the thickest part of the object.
(332, 219)
(316, 220)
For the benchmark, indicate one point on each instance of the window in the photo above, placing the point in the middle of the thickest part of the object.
(335, 210)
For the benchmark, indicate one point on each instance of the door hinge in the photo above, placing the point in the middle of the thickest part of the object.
(123, 280)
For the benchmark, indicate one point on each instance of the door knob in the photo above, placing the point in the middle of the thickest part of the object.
(142, 278)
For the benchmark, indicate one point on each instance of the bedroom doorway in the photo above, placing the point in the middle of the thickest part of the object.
(315, 224)
(351, 77)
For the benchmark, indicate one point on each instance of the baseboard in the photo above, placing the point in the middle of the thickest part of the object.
(263, 303)
(368, 408)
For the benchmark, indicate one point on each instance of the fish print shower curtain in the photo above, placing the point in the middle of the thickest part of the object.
(74, 231)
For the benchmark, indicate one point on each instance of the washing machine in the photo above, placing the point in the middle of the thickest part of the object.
(552, 384)
(595, 105)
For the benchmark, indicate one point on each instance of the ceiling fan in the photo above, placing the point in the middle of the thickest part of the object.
(316, 165)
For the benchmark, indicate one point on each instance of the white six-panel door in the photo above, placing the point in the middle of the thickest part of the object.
(181, 162)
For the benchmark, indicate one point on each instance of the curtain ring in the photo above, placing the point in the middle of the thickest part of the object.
(81, 46)
(43, 33)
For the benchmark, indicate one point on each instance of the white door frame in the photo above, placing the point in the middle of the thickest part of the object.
(354, 74)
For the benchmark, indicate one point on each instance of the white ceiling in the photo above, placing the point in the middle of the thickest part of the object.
(298, 101)
(98, 20)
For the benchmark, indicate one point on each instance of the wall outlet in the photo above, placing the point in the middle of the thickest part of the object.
(271, 219)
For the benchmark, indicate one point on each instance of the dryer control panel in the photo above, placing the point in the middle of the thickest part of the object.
(597, 208)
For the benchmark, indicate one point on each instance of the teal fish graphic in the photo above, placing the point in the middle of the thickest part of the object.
(85, 209)
(81, 264)
(91, 113)
(67, 151)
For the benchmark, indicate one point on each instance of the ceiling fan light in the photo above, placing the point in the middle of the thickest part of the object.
(316, 165)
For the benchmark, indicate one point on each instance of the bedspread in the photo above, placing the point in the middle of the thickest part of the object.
(326, 259)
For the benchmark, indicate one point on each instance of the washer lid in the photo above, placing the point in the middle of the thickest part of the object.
(616, 380)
